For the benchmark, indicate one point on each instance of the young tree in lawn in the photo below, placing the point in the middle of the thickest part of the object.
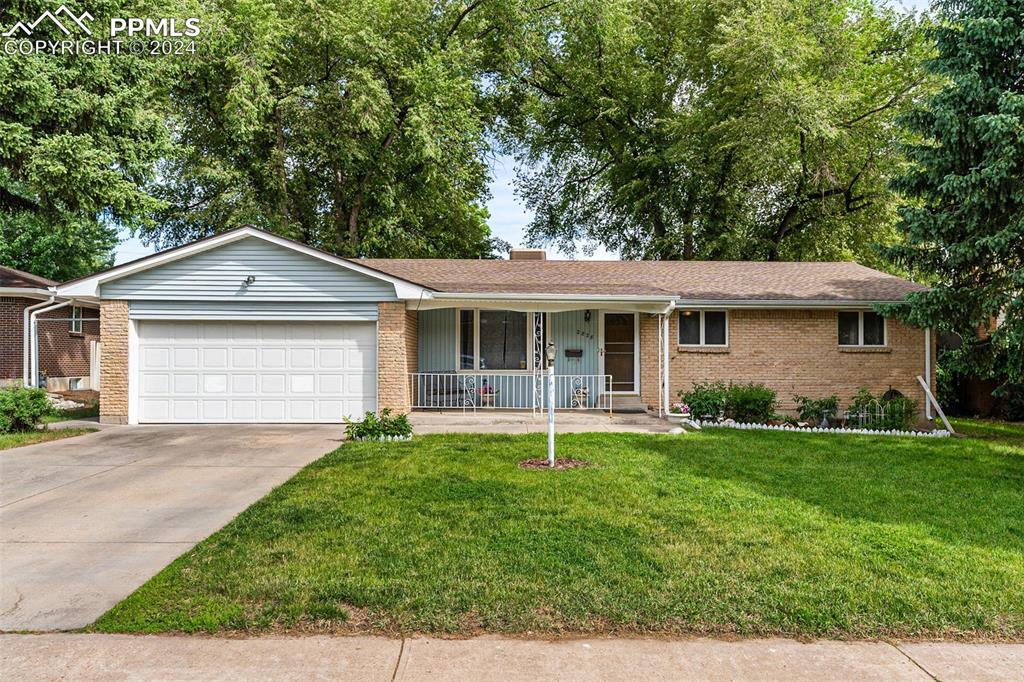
(723, 129)
(964, 225)
(79, 135)
(356, 126)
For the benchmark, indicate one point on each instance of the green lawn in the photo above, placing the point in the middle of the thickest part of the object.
(14, 440)
(1008, 433)
(85, 412)
(718, 532)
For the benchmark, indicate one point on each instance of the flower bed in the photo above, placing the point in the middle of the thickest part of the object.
(729, 424)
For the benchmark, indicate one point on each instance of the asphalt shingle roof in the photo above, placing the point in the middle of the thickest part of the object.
(9, 277)
(692, 280)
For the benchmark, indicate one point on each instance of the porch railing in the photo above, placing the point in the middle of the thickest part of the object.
(483, 390)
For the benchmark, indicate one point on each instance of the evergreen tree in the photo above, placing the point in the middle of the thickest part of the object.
(964, 225)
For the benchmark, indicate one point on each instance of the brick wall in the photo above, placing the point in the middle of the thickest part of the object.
(61, 352)
(11, 310)
(792, 352)
(396, 353)
(114, 362)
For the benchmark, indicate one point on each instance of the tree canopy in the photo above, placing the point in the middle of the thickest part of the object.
(963, 228)
(359, 127)
(721, 129)
(78, 140)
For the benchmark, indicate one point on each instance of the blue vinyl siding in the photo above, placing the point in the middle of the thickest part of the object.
(437, 342)
(281, 275)
(569, 330)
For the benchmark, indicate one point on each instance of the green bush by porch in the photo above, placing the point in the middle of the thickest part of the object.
(753, 533)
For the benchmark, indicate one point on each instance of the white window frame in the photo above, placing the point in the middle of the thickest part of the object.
(702, 344)
(476, 342)
(75, 323)
(860, 331)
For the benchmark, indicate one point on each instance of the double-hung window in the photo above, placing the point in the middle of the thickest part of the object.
(861, 328)
(75, 324)
(703, 328)
(494, 340)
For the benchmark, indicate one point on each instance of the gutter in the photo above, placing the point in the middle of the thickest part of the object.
(774, 303)
(624, 298)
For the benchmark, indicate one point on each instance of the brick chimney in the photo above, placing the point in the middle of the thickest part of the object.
(527, 254)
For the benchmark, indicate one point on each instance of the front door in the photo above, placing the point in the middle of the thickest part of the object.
(620, 350)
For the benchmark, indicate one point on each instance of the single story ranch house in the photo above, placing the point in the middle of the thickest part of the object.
(247, 326)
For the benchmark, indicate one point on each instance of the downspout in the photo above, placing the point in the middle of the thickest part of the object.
(928, 369)
(34, 332)
(661, 373)
(26, 339)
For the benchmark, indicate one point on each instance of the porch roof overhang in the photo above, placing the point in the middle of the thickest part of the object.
(546, 303)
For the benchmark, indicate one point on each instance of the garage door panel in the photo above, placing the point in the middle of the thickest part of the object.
(256, 372)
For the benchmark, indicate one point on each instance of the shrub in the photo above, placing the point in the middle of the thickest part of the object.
(750, 403)
(812, 410)
(383, 427)
(22, 409)
(705, 399)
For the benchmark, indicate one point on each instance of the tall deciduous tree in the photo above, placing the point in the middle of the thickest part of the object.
(79, 135)
(356, 126)
(722, 129)
(965, 226)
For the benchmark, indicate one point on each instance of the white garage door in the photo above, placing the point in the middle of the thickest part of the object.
(256, 371)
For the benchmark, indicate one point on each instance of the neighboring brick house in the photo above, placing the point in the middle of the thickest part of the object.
(247, 326)
(68, 336)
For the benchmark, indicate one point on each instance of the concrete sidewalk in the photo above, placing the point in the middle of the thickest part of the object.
(126, 657)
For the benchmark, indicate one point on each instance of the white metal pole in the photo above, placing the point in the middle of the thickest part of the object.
(664, 366)
(551, 414)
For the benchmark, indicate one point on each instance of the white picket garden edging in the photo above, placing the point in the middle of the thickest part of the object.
(938, 433)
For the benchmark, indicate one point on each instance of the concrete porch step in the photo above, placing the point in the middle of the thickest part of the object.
(623, 404)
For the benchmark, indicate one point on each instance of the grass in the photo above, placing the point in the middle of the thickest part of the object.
(14, 440)
(77, 413)
(719, 532)
(1008, 433)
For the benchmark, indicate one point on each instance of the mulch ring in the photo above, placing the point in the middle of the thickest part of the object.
(559, 464)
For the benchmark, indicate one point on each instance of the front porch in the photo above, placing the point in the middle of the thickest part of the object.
(488, 355)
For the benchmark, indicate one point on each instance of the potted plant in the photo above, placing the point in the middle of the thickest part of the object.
(678, 413)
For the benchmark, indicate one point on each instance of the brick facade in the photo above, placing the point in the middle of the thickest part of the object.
(792, 352)
(396, 355)
(114, 362)
(62, 353)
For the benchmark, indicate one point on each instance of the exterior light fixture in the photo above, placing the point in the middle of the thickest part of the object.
(249, 280)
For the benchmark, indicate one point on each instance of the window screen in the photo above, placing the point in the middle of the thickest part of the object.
(502, 339)
(689, 327)
(714, 327)
(849, 332)
(466, 355)
(874, 329)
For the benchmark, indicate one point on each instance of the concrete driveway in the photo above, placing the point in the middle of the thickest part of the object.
(85, 521)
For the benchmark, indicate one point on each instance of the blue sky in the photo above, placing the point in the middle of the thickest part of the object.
(508, 215)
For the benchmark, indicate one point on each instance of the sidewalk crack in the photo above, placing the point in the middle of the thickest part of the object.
(911, 659)
(398, 663)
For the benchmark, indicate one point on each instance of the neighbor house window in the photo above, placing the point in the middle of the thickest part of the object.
(703, 328)
(76, 320)
(861, 328)
(494, 340)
